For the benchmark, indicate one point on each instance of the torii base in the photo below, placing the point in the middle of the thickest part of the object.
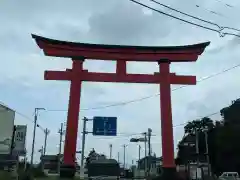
(67, 171)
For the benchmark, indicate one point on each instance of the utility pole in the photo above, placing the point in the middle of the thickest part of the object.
(13, 140)
(110, 147)
(145, 144)
(197, 143)
(149, 149)
(36, 110)
(124, 155)
(60, 131)
(83, 139)
(149, 141)
(207, 153)
(139, 153)
(41, 152)
(197, 151)
(46, 132)
(118, 158)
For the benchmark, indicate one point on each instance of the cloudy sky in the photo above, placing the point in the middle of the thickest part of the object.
(114, 22)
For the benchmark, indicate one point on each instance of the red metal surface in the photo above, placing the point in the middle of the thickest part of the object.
(127, 56)
(122, 54)
(73, 115)
(166, 117)
(120, 78)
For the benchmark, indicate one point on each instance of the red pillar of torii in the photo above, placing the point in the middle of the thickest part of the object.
(78, 52)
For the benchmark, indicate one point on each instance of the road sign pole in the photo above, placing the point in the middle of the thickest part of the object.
(83, 140)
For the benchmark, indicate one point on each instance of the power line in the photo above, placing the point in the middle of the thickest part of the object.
(194, 17)
(210, 11)
(150, 96)
(127, 135)
(22, 115)
(222, 34)
(169, 15)
(186, 14)
(209, 115)
(219, 14)
(226, 4)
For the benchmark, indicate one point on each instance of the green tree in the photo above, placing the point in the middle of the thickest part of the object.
(223, 137)
(187, 146)
(93, 155)
(231, 114)
(199, 125)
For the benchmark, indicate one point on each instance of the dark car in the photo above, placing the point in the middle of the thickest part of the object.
(107, 168)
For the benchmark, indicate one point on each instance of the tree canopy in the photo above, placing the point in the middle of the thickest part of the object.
(222, 137)
(93, 155)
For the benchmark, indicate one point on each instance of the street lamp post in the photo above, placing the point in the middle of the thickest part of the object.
(142, 139)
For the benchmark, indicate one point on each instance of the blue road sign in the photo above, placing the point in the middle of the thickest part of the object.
(104, 126)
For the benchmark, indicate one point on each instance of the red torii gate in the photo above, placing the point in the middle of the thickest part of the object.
(78, 52)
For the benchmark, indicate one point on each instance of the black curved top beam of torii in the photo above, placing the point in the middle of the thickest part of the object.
(77, 50)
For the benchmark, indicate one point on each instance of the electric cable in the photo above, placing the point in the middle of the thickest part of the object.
(150, 96)
(194, 17)
(221, 34)
(22, 115)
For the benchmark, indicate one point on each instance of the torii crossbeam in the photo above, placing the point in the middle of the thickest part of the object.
(78, 52)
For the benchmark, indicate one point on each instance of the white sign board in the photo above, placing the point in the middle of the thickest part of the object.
(20, 140)
(7, 117)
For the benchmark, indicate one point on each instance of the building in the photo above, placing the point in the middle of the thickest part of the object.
(151, 161)
(52, 162)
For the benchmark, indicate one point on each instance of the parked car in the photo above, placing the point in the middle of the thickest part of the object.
(107, 168)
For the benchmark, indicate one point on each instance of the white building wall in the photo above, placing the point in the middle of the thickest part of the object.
(7, 117)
